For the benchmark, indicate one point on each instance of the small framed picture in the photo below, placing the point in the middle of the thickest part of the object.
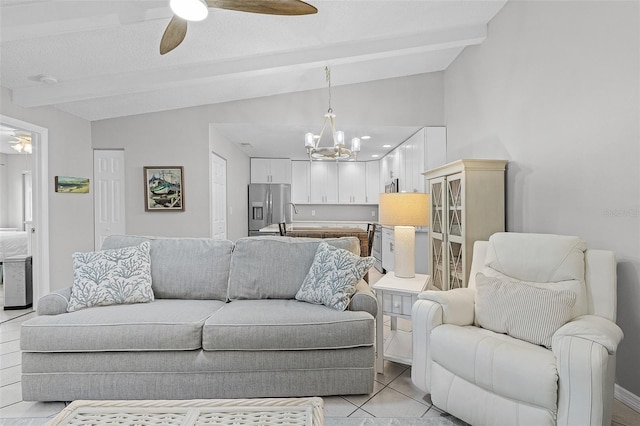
(163, 189)
(72, 185)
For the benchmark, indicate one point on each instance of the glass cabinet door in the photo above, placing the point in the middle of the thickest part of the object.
(454, 201)
(437, 230)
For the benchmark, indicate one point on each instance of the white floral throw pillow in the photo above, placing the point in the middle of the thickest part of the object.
(333, 276)
(111, 277)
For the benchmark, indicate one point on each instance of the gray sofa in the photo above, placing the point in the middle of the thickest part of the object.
(224, 324)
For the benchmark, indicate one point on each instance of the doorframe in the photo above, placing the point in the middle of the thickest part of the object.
(40, 249)
(212, 156)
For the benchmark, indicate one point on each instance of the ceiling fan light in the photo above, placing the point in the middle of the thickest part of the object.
(17, 147)
(190, 10)
(28, 148)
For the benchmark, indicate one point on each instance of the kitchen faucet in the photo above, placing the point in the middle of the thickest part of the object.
(295, 208)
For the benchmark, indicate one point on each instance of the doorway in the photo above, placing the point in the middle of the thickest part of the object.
(218, 197)
(36, 181)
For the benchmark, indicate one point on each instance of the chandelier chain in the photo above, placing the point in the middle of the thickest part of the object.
(327, 71)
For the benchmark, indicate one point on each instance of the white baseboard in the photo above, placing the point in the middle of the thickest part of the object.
(628, 398)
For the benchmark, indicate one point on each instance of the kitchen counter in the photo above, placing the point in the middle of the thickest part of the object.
(313, 225)
(330, 230)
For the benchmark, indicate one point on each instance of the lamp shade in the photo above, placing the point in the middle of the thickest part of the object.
(404, 209)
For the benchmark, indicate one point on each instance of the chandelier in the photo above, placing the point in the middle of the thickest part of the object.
(22, 143)
(338, 150)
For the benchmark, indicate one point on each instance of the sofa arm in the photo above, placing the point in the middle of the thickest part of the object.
(585, 349)
(54, 303)
(364, 299)
(457, 305)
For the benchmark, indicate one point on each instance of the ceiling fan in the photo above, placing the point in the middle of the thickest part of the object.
(22, 143)
(197, 10)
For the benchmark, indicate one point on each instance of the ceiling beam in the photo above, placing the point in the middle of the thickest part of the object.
(188, 75)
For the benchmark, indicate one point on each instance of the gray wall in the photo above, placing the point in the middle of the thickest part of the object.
(183, 137)
(70, 154)
(554, 89)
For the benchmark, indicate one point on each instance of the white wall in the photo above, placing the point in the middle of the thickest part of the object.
(70, 154)
(182, 138)
(4, 191)
(554, 89)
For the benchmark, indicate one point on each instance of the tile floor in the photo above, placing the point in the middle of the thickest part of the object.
(394, 396)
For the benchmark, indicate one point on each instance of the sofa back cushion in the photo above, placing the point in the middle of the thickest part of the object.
(275, 267)
(184, 268)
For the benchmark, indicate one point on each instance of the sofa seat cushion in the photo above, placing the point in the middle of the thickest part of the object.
(498, 363)
(279, 325)
(161, 325)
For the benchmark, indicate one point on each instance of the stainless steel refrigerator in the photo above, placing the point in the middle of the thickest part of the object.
(269, 203)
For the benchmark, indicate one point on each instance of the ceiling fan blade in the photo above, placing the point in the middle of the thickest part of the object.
(173, 35)
(270, 7)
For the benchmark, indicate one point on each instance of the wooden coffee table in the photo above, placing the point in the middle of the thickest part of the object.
(258, 411)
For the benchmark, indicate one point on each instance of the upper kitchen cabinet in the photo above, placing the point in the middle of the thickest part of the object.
(323, 182)
(270, 170)
(426, 149)
(352, 177)
(300, 192)
(373, 182)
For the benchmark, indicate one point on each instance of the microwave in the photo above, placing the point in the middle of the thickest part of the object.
(392, 186)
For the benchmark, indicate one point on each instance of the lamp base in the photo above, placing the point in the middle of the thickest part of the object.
(404, 257)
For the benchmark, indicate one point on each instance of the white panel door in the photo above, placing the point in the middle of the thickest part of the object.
(218, 197)
(108, 178)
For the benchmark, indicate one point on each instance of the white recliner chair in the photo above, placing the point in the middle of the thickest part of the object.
(523, 286)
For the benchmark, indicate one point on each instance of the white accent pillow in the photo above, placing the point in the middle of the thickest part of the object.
(111, 277)
(333, 276)
(520, 310)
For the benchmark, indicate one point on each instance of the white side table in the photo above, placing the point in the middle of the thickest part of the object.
(395, 297)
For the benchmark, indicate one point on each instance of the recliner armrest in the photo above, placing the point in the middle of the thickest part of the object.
(593, 328)
(54, 303)
(457, 305)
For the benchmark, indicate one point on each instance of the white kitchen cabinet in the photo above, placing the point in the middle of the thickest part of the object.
(270, 170)
(323, 182)
(411, 179)
(467, 204)
(385, 170)
(300, 182)
(373, 182)
(388, 260)
(352, 178)
(421, 252)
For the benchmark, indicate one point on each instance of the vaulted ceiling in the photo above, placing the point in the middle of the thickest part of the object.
(104, 54)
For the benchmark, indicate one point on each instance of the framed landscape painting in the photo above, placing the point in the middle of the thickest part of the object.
(163, 189)
(72, 185)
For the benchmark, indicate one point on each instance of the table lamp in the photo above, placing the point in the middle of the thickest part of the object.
(404, 211)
